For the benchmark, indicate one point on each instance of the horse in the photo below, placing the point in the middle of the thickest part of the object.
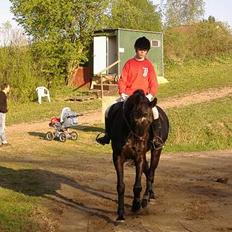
(131, 137)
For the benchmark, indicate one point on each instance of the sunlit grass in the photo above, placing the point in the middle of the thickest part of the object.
(201, 127)
(195, 77)
(20, 205)
(32, 111)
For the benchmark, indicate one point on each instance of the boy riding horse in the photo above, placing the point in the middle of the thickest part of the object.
(137, 73)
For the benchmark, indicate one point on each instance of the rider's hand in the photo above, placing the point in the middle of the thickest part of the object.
(124, 96)
(149, 97)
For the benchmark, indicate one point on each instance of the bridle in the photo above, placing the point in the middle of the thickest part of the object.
(132, 132)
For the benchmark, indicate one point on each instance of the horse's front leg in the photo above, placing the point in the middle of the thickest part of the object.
(118, 163)
(137, 186)
(155, 157)
(146, 196)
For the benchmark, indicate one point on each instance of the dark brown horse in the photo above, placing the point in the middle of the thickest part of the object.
(131, 135)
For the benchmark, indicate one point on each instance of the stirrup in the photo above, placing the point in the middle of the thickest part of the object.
(102, 140)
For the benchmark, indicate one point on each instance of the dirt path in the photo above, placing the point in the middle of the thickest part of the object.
(189, 197)
(192, 196)
(196, 98)
(96, 116)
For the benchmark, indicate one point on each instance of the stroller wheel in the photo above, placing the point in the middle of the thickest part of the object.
(49, 136)
(74, 135)
(62, 137)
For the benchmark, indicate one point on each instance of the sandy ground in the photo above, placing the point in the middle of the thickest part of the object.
(194, 190)
(190, 198)
(197, 97)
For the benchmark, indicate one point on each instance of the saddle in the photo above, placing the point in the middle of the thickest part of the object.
(114, 109)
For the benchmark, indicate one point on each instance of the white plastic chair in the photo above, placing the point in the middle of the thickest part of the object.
(42, 92)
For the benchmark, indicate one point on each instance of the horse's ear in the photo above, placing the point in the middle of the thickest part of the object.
(153, 102)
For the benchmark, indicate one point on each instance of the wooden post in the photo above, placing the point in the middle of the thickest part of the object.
(101, 86)
(100, 73)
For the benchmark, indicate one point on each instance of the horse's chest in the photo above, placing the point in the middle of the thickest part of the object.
(133, 149)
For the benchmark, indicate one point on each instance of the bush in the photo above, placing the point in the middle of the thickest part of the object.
(205, 39)
(17, 69)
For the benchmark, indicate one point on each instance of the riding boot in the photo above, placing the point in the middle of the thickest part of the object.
(157, 140)
(105, 139)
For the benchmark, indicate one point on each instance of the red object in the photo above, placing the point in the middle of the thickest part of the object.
(138, 75)
(81, 77)
(55, 119)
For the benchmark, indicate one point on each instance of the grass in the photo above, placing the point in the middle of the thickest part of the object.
(196, 76)
(32, 111)
(15, 212)
(20, 207)
(201, 127)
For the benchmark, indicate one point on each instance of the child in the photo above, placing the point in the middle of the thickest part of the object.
(137, 73)
(5, 88)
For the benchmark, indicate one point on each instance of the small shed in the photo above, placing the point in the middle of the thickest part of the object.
(116, 46)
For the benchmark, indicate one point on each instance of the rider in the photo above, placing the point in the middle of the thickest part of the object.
(137, 73)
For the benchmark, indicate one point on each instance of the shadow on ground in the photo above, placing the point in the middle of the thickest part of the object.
(43, 183)
(41, 135)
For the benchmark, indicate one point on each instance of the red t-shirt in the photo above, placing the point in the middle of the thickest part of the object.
(138, 75)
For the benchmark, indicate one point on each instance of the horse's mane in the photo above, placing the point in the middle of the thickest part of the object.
(138, 97)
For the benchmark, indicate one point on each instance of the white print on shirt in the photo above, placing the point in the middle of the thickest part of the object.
(145, 71)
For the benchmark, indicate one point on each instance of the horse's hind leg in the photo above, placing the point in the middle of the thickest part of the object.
(137, 186)
(118, 163)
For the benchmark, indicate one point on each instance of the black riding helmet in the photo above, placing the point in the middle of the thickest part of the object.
(142, 43)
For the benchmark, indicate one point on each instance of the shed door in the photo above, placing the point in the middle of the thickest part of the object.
(99, 54)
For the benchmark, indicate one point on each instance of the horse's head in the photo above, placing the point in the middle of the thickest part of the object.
(138, 112)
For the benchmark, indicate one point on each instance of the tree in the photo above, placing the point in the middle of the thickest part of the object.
(211, 19)
(182, 12)
(133, 14)
(60, 31)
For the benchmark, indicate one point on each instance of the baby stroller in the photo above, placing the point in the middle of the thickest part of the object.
(68, 118)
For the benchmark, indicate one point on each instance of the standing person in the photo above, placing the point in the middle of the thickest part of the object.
(5, 88)
(137, 73)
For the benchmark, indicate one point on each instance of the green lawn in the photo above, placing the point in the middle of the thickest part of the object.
(201, 127)
(32, 111)
(20, 204)
(196, 77)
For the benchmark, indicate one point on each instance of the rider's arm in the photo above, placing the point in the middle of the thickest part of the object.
(153, 83)
(122, 82)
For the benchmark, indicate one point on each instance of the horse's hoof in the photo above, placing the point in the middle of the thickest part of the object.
(136, 206)
(144, 203)
(152, 195)
(120, 219)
